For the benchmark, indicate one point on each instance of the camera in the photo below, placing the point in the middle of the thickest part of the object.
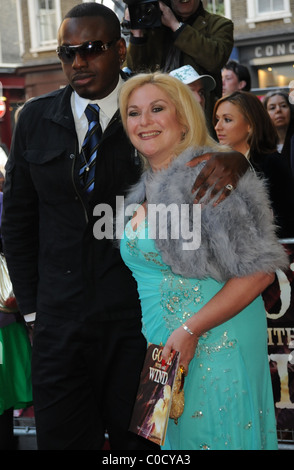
(144, 14)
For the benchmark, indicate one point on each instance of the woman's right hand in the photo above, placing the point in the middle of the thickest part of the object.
(182, 341)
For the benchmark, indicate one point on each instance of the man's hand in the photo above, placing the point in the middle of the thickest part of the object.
(168, 18)
(221, 169)
(30, 330)
(137, 33)
(30, 324)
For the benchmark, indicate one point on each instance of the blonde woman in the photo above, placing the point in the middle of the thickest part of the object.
(203, 300)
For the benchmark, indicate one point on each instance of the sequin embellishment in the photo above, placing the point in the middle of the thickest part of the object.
(178, 298)
(204, 447)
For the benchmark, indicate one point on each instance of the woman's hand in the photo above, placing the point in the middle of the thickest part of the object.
(233, 297)
(182, 341)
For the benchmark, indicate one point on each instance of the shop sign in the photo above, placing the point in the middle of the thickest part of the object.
(271, 50)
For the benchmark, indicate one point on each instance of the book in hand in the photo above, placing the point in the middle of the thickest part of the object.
(154, 396)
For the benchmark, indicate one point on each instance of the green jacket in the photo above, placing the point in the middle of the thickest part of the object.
(205, 44)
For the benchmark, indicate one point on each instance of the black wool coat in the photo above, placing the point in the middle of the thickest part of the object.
(56, 264)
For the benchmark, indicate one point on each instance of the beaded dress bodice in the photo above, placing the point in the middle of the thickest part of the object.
(166, 294)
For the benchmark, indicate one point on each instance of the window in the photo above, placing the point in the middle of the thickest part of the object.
(47, 21)
(277, 75)
(267, 10)
(270, 6)
(219, 7)
(216, 6)
(45, 18)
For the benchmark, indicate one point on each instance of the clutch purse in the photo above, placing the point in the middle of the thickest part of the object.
(178, 397)
(7, 299)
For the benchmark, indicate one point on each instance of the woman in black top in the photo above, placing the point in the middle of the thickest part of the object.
(242, 122)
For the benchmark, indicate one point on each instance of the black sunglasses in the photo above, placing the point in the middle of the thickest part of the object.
(86, 51)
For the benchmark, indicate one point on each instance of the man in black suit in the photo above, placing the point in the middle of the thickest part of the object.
(88, 348)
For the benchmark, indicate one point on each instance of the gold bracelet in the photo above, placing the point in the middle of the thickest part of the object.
(186, 328)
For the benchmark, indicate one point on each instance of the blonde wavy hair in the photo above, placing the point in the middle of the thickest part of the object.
(189, 112)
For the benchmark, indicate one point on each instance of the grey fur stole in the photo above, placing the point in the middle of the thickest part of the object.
(237, 236)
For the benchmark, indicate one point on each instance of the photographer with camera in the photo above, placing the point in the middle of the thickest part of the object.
(184, 34)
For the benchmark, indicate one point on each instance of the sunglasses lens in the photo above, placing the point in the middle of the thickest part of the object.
(66, 55)
(91, 49)
(86, 51)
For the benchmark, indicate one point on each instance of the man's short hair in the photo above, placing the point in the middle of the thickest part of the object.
(241, 71)
(96, 9)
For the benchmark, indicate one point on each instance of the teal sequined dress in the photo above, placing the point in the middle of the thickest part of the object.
(228, 391)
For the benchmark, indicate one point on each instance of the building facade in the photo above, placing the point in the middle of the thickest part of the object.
(264, 42)
(12, 86)
(264, 38)
(29, 65)
(40, 64)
